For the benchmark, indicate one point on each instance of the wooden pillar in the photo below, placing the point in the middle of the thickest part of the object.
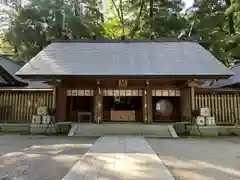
(98, 104)
(149, 105)
(144, 106)
(187, 100)
(192, 97)
(61, 100)
(185, 104)
(54, 97)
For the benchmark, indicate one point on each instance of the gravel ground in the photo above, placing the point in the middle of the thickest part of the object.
(200, 159)
(50, 158)
(40, 157)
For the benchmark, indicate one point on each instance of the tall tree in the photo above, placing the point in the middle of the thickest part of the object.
(8, 9)
(44, 20)
(211, 27)
(233, 12)
(162, 18)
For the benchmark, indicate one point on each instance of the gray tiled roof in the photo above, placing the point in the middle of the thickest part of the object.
(8, 79)
(12, 67)
(235, 79)
(124, 58)
(32, 85)
(8, 64)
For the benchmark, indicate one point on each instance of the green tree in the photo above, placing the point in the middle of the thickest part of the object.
(44, 20)
(138, 19)
(233, 14)
(162, 18)
(8, 9)
(211, 27)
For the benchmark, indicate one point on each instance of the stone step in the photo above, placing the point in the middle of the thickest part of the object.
(146, 130)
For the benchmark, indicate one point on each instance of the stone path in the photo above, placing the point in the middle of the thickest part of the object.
(119, 158)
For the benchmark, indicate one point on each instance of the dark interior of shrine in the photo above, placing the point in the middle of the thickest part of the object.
(80, 108)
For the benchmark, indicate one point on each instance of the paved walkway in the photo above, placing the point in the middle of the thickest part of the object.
(119, 158)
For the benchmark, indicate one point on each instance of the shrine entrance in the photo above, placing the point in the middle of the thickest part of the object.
(166, 106)
(122, 105)
(80, 105)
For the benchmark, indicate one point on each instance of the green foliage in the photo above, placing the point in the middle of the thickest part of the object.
(234, 7)
(8, 9)
(5, 47)
(234, 38)
(162, 18)
(214, 24)
(41, 21)
(212, 28)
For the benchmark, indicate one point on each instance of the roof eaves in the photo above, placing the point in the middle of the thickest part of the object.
(143, 76)
(5, 57)
(12, 80)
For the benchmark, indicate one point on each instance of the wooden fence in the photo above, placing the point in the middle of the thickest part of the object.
(20, 106)
(224, 106)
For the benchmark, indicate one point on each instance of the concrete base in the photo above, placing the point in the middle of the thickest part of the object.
(205, 131)
(209, 130)
(15, 127)
(228, 130)
(32, 128)
(40, 128)
(147, 130)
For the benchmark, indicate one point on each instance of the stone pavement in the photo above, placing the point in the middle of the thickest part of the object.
(27, 157)
(119, 158)
(200, 159)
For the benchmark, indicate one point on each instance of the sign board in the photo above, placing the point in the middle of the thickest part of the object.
(122, 83)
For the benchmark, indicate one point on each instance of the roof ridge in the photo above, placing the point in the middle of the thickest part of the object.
(123, 41)
(234, 66)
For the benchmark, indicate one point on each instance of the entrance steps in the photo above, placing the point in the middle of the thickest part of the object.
(146, 130)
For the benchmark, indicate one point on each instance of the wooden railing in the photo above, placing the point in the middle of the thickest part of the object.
(224, 106)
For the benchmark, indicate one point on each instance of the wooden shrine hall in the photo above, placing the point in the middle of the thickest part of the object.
(123, 80)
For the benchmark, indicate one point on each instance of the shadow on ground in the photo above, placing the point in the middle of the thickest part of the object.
(200, 159)
(40, 157)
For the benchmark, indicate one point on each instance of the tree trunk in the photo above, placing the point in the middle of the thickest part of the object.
(120, 14)
(230, 19)
(137, 21)
(151, 13)
(121, 11)
(76, 8)
(59, 16)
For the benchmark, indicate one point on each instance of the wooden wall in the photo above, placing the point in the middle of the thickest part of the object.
(20, 106)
